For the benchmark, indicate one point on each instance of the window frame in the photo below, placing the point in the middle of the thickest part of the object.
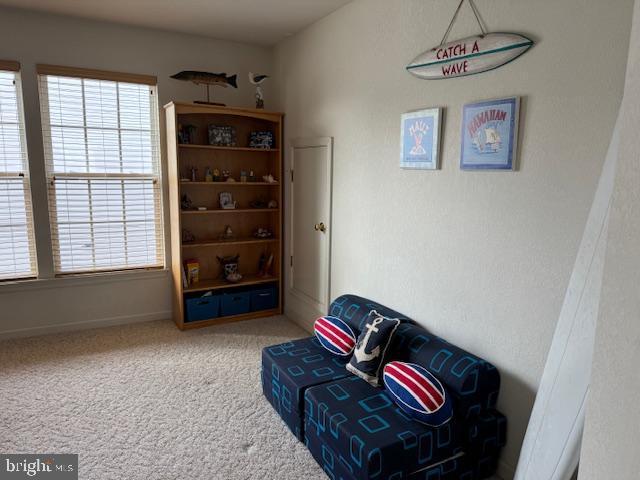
(43, 71)
(24, 175)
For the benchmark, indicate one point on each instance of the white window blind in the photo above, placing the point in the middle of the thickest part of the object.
(17, 244)
(103, 169)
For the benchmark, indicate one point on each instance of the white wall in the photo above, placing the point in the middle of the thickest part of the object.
(611, 437)
(32, 38)
(481, 258)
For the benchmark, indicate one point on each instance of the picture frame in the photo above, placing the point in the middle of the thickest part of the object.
(261, 139)
(222, 135)
(226, 201)
(489, 138)
(420, 139)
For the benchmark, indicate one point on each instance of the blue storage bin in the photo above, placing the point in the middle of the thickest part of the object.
(235, 303)
(202, 308)
(264, 299)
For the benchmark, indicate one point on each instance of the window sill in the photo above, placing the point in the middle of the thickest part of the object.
(80, 280)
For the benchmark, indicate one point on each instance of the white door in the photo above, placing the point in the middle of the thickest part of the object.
(310, 223)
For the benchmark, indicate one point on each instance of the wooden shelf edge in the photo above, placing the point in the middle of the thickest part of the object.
(233, 149)
(220, 243)
(234, 318)
(231, 210)
(219, 284)
(233, 184)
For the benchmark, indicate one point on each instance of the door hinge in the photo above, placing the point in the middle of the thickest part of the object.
(292, 175)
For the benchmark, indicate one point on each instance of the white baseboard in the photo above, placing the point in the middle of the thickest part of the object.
(85, 325)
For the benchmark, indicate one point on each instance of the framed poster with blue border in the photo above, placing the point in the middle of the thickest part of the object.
(420, 139)
(490, 135)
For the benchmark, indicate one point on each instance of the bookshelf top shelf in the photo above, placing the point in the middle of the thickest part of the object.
(234, 149)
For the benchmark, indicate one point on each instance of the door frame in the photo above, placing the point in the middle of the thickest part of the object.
(301, 143)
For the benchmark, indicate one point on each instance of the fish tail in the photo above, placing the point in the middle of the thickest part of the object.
(232, 80)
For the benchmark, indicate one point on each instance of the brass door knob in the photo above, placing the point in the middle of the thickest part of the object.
(320, 227)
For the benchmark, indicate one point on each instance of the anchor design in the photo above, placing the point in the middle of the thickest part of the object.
(360, 351)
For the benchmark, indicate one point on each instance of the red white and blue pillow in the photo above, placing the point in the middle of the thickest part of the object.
(418, 393)
(335, 335)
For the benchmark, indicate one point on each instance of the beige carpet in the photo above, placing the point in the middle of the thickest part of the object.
(149, 402)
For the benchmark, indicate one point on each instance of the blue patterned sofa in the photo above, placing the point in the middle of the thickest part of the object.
(356, 431)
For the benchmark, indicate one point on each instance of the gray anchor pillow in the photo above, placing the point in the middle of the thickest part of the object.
(375, 338)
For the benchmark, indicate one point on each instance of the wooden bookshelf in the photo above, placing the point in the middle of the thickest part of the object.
(208, 225)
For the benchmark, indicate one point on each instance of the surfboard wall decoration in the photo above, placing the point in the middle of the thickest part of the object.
(469, 56)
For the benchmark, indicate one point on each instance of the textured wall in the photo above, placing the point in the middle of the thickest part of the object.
(611, 437)
(34, 38)
(481, 258)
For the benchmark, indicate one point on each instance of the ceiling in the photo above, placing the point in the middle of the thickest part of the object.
(262, 22)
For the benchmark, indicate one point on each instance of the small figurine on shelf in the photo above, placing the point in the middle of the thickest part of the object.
(208, 176)
(243, 176)
(257, 80)
(229, 266)
(226, 201)
(272, 204)
(216, 175)
(228, 234)
(252, 176)
(194, 174)
(263, 233)
(187, 236)
(258, 203)
(185, 202)
(186, 134)
(226, 175)
(265, 264)
(269, 178)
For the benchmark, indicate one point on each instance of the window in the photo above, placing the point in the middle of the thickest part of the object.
(17, 245)
(102, 159)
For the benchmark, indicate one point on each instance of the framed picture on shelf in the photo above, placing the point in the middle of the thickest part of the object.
(490, 135)
(222, 135)
(420, 139)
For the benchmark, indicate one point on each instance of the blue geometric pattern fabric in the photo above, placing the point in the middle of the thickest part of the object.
(375, 437)
(354, 310)
(289, 369)
(358, 427)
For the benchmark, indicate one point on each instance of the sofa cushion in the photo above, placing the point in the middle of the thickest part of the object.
(335, 335)
(418, 393)
(288, 369)
(375, 438)
(356, 431)
(372, 347)
(472, 382)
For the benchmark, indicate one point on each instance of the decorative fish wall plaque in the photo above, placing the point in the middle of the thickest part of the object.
(208, 79)
(470, 55)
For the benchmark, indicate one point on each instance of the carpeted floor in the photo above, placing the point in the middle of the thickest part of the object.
(147, 401)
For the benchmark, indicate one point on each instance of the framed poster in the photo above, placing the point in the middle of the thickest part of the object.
(420, 139)
(490, 135)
